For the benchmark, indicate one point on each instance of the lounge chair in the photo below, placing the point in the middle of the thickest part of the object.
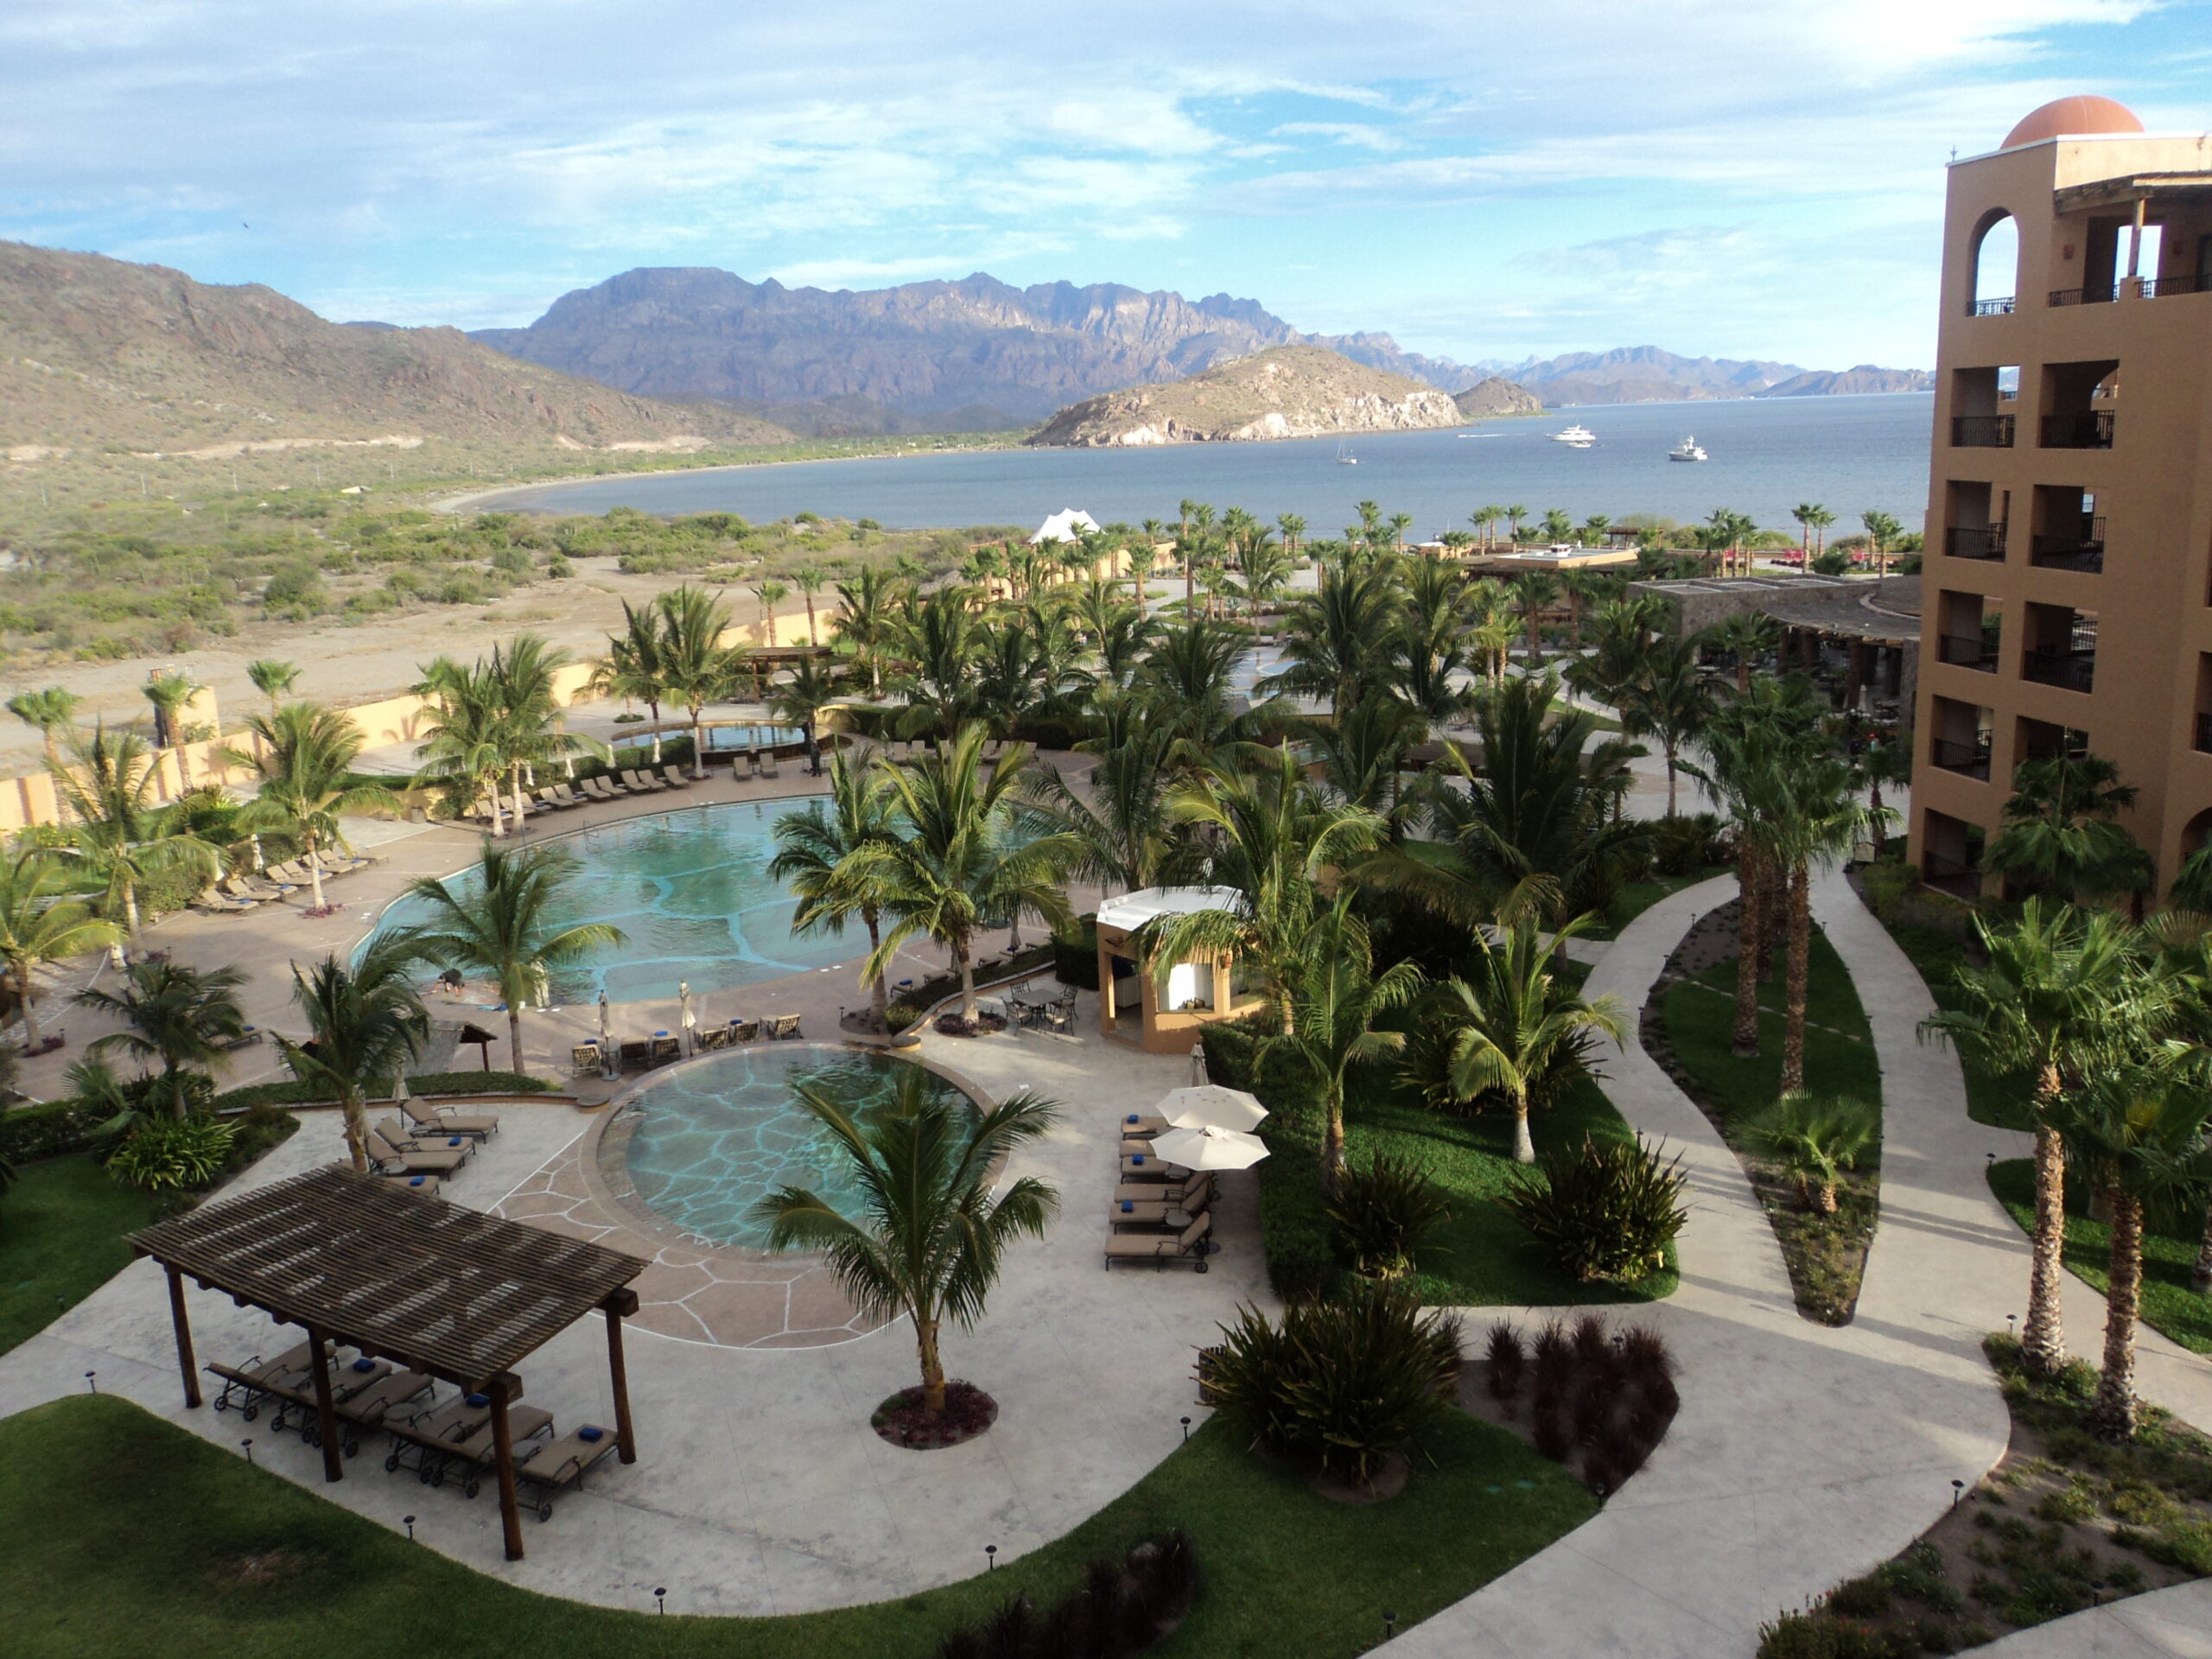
(675, 777)
(445, 1121)
(638, 1054)
(413, 1181)
(1148, 1215)
(290, 873)
(709, 1038)
(368, 1407)
(246, 1387)
(585, 1059)
(475, 1451)
(768, 763)
(344, 863)
(1160, 1249)
(414, 1159)
(784, 1027)
(238, 887)
(744, 1031)
(569, 796)
(549, 802)
(603, 789)
(1145, 1166)
(216, 905)
(1139, 1123)
(666, 1049)
(642, 782)
(423, 1439)
(1192, 1195)
(745, 767)
(555, 1466)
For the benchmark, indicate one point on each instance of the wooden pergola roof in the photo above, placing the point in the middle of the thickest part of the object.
(436, 1286)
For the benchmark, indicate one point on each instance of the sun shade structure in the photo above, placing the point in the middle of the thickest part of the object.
(431, 1287)
(1209, 1104)
(1210, 1147)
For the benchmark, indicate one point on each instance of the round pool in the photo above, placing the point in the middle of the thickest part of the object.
(717, 1136)
(691, 891)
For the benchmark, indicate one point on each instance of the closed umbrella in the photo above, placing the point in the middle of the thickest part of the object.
(1210, 1147)
(1209, 1104)
(607, 1058)
(691, 1021)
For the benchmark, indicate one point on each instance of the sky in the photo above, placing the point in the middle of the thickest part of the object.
(1481, 180)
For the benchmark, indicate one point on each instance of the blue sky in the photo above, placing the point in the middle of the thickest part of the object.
(1479, 180)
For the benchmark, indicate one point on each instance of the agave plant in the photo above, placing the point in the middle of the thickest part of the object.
(1607, 1211)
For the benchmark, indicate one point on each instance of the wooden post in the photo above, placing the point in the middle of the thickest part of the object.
(503, 1448)
(618, 1376)
(183, 1323)
(326, 1408)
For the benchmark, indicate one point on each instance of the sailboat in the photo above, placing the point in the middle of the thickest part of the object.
(1344, 460)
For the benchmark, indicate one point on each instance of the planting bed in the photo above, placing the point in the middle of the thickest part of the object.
(1595, 1401)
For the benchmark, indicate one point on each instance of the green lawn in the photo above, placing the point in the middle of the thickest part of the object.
(61, 1238)
(1701, 1017)
(1636, 897)
(1993, 1098)
(2169, 1306)
(1486, 1259)
(129, 1535)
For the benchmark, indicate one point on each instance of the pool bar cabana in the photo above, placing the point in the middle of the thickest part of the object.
(1163, 1010)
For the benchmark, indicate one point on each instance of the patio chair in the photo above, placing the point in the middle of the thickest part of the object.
(413, 1181)
(768, 763)
(475, 1451)
(636, 1053)
(784, 1027)
(423, 1439)
(569, 796)
(1192, 1195)
(413, 1160)
(675, 777)
(1160, 1249)
(367, 1408)
(1156, 1215)
(642, 782)
(585, 1059)
(215, 904)
(665, 1049)
(744, 1031)
(1145, 1166)
(1139, 1124)
(401, 1139)
(237, 887)
(555, 1466)
(548, 801)
(445, 1121)
(603, 789)
(341, 862)
(743, 767)
(247, 1387)
(709, 1038)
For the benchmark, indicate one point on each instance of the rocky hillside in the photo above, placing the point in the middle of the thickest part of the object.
(97, 353)
(975, 352)
(1288, 391)
(1830, 383)
(1645, 374)
(1497, 396)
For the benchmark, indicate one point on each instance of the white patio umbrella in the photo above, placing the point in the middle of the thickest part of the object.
(1209, 1105)
(691, 1021)
(1210, 1147)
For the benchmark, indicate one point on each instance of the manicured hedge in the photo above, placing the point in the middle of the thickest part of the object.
(1294, 1233)
(31, 1133)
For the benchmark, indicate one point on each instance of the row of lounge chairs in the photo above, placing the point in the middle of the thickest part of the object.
(436, 1438)
(642, 1053)
(1159, 1212)
(235, 894)
(753, 763)
(430, 1147)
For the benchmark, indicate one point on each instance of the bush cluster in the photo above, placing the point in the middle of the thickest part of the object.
(1607, 1209)
(1122, 1606)
(1602, 1399)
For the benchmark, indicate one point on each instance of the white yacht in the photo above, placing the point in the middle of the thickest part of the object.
(1580, 437)
(1687, 450)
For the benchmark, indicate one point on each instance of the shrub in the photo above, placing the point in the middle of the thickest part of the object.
(1385, 1213)
(31, 1133)
(1608, 1211)
(1816, 1140)
(1074, 955)
(1821, 1635)
(421, 1083)
(1507, 1362)
(1346, 1382)
(172, 1154)
(1683, 844)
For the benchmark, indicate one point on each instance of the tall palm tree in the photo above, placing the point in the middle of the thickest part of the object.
(50, 711)
(940, 640)
(1484, 519)
(1512, 1027)
(1513, 515)
(273, 678)
(123, 837)
(695, 666)
(864, 620)
(800, 698)
(815, 859)
(467, 741)
(41, 922)
(305, 754)
(2062, 990)
(1186, 681)
(1337, 997)
(524, 672)
(2059, 835)
(1119, 813)
(1337, 642)
(1668, 700)
(930, 1239)
(770, 595)
(1293, 531)
(185, 1018)
(366, 1025)
(1820, 519)
(1746, 637)
(1818, 818)
(1882, 531)
(1535, 593)
(502, 924)
(958, 858)
(171, 696)
(631, 668)
(811, 580)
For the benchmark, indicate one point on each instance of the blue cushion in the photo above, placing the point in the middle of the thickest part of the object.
(453, 1140)
(477, 1399)
(590, 1435)
(1131, 1118)
(417, 1181)
(1128, 1208)
(1136, 1158)
(365, 1365)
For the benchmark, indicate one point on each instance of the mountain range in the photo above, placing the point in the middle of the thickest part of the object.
(1285, 392)
(1644, 374)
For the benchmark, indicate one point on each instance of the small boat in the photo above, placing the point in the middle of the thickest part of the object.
(1687, 450)
(1580, 437)
(1344, 460)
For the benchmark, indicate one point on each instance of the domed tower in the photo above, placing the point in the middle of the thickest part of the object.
(2067, 584)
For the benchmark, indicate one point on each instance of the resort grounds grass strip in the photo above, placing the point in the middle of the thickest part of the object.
(2169, 1306)
(1994, 1098)
(63, 1227)
(131, 1536)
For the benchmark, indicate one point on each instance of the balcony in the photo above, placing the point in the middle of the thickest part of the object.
(2158, 288)
(2084, 552)
(1969, 760)
(1967, 651)
(2104, 295)
(2003, 307)
(1982, 542)
(1952, 875)
(2073, 669)
(2090, 429)
(2204, 733)
(1982, 431)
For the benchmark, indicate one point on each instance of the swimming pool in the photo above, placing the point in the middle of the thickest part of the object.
(692, 891)
(717, 1136)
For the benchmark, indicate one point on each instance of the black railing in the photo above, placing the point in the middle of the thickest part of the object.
(2003, 307)
(1982, 431)
(1951, 875)
(2070, 669)
(1967, 651)
(2084, 550)
(2204, 733)
(2158, 288)
(2103, 295)
(1970, 759)
(1980, 541)
(2089, 429)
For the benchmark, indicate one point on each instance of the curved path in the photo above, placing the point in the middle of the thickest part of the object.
(1803, 1455)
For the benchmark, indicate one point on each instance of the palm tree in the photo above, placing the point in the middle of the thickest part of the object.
(40, 923)
(305, 754)
(1186, 683)
(366, 1025)
(957, 860)
(1803, 513)
(1882, 529)
(931, 1238)
(1746, 636)
(1820, 519)
(1513, 515)
(1883, 762)
(1513, 1027)
(1668, 700)
(50, 711)
(503, 923)
(631, 668)
(1337, 997)
(800, 700)
(811, 579)
(1484, 519)
(2061, 990)
(171, 696)
(1818, 818)
(182, 1017)
(770, 595)
(467, 741)
(1816, 1141)
(864, 620)
(695, 666)
(939, 639)
(123, 837)
(815, 859)
(274, 679)
(1338, 641)
(1293, 530)
(1535, 593)
(1120, 814)
(526, 671)
(2138, 1132)
(2058, 833)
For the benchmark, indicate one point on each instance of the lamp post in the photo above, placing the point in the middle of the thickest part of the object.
(990, 1557)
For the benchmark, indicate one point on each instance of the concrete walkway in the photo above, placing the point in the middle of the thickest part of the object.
(1803, 1455)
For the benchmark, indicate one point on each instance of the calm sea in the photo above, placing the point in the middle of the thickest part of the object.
(1850, 454)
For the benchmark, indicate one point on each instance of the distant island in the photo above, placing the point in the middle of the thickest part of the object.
(1287, 392)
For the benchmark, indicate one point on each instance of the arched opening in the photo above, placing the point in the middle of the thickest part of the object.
(2192, 888)
(1996, 265)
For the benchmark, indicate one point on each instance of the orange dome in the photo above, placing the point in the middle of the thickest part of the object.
(2071, 118)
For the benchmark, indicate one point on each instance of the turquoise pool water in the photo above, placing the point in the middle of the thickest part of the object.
(692, 891)
(717, 1136)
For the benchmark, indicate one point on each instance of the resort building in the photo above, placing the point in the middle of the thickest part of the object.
(1162, 1013)
(2068, 580)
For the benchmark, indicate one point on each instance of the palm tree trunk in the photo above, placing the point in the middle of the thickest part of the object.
(1800, 949)
(878, 991)
(1750, 924)
(514, 1039)
(1670, 781)
(967, 979)
(356, 1111)
(183, 766)
(522, 806)
(314, 874)
(2042, 1344)
(130, 910)
(1333, 1143)
(932, 1365)
(2200, 1277)
(655, 707)
(30, 1014)
(2114, 1413)
(1524, 1146)
(698, 747)
(1874, 806)
(1774, 913)
(499, 808)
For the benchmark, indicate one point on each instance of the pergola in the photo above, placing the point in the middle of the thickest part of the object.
(432, 1286)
